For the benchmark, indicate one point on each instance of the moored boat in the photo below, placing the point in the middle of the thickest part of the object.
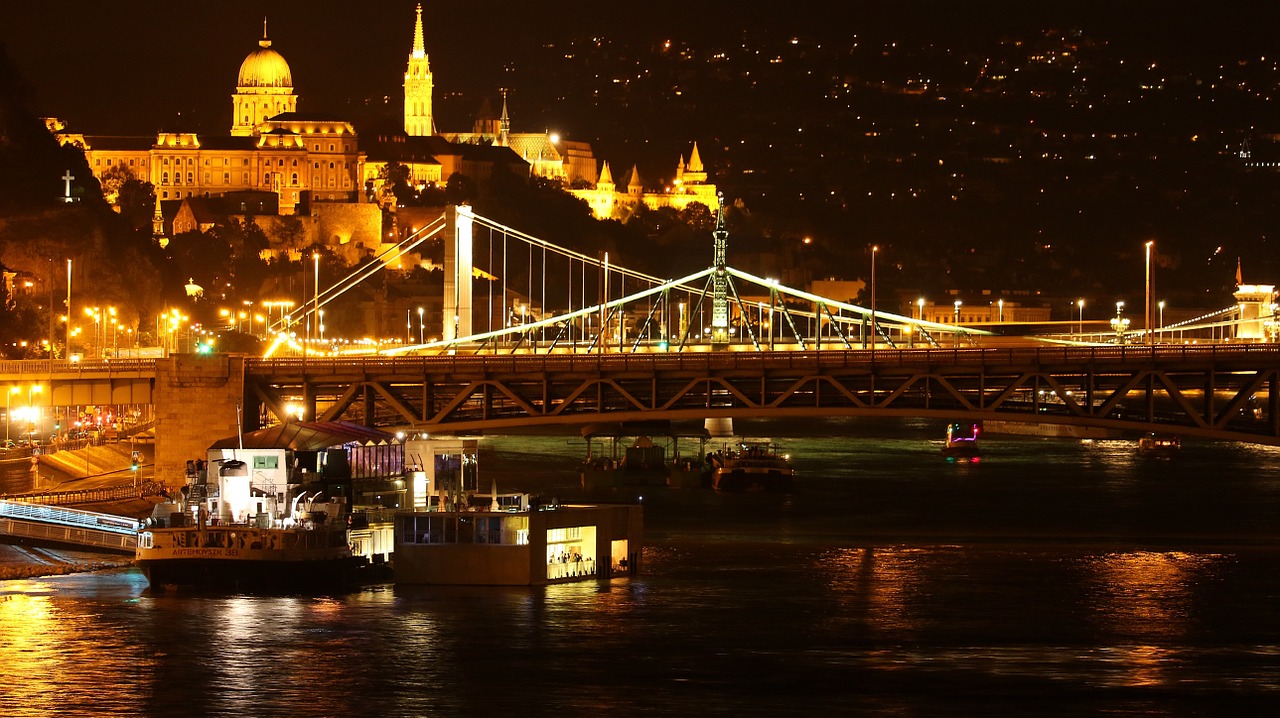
(753, 465)
(199, 545)
(1156, 445)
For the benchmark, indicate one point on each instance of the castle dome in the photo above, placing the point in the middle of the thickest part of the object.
(265, 67)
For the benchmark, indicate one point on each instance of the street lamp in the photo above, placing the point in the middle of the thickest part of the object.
(1080, 327)
(1119, 323)
(1161, 305)
(1146, 318)
(1000, 304)
(874, 250)
(34, 415)
(956, 340)
(920, 308)
(8, 411)
(420, 329)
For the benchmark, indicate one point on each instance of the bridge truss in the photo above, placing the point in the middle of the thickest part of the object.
(1227, 392)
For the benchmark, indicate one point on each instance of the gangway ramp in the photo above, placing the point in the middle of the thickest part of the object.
(71, 527)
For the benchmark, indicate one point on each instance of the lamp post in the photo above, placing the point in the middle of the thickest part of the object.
(1080, 326)
(1000, 304)
(956, 334)
(874, 250)
(31, 407)
(1160, 304)
(420, 325)
(1146, 317)
(1119, 323)
(67, 352)
(8, 412)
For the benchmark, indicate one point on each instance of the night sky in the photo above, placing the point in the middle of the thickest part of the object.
(134, 67)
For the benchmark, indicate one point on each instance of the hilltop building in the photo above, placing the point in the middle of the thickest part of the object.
(690, 185)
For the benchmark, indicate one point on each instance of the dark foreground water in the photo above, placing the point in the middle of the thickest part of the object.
(1053, 578)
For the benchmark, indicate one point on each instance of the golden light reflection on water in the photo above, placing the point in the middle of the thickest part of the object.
(31, 631)
(1144, 598)
(1146, 593)
(877, 585)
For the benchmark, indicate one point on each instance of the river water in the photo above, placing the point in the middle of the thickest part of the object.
(1053, 577)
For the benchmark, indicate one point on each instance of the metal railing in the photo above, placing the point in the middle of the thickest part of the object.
(90, 496)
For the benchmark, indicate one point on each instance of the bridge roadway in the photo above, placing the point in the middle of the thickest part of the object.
(1225, 391)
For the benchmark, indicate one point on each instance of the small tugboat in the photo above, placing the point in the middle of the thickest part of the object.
(1152, 444)
(962, 441)
(754, 465)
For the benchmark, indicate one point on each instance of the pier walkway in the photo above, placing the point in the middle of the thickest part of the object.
(73, 527)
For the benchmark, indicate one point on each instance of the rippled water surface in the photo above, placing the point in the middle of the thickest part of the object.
(1053, 577)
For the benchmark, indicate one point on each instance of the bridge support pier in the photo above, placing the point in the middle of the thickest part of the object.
(198, 399)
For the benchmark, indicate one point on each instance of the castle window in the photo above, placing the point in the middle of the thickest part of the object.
(206, 162)
(165, 161)
(330, 181)
(295, 163)
(331, 147)
(295, 179)
(206, 178)
(330, 165)
(190, 161)
(226, 178)
(245, 178)
(245, 161)
(108, 161)
(130, 163)
(317, 165)
(225, 161)
(266, 178)
(177, 195)
(98, 162)
(191, 178)
(164, 195)
(164, 178)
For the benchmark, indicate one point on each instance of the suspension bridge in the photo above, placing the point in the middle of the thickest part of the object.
(507, 291)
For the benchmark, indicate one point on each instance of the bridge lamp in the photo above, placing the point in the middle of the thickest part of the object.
(1080, 307)
(1000, 304)
(1160, 304)
(420, 329)
(920, 308)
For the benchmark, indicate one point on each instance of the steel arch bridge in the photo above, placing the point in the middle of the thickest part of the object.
(1222, 392)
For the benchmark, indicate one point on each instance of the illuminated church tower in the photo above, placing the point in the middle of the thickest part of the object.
(417, 88)
(264, 88)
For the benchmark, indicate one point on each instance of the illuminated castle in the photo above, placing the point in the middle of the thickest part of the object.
(689, 185)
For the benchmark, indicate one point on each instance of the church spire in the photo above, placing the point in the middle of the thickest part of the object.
(504, 124)
(695, 160)
(419, 44)
(418, 119)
